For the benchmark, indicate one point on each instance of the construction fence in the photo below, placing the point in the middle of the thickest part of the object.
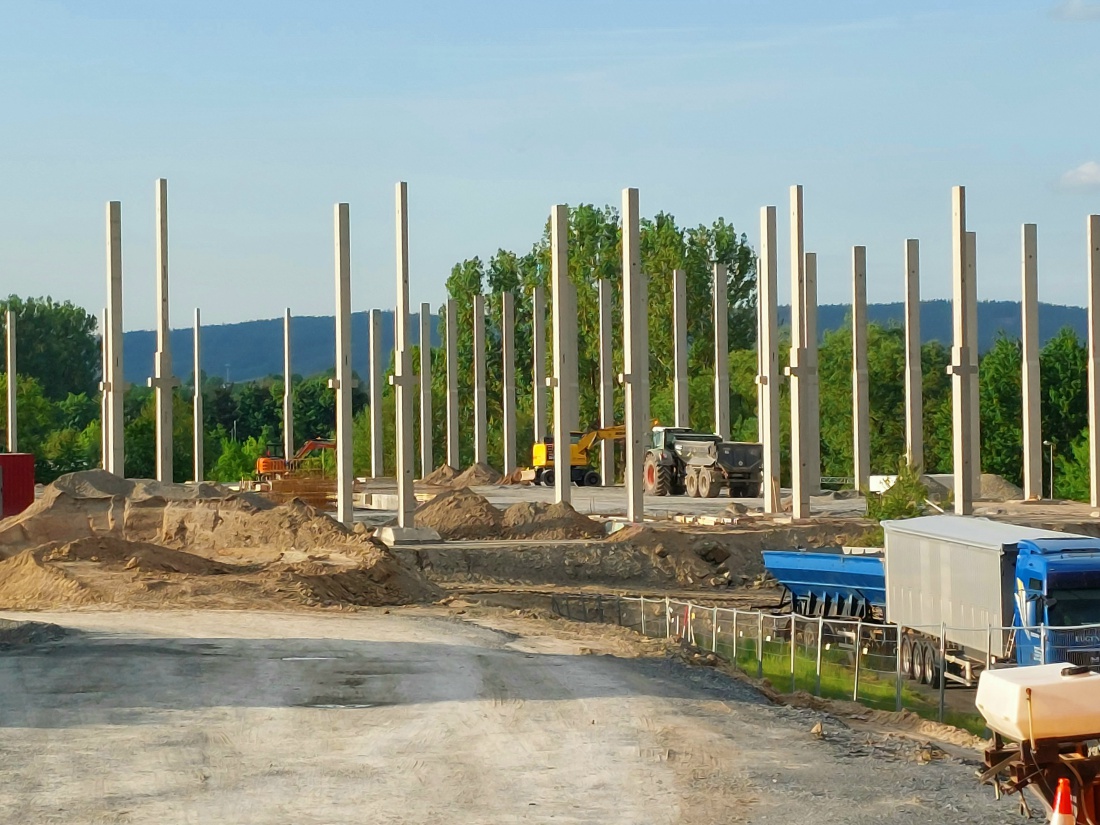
(876, 665)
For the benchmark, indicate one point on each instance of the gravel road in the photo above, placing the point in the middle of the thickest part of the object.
(418, 717)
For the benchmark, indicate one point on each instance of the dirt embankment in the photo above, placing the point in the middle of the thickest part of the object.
(563, 547)
(93, 538)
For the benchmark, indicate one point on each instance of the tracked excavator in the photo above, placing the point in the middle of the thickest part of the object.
(275, 465)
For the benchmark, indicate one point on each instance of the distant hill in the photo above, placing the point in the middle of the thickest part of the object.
(935, 319)
(254, 349)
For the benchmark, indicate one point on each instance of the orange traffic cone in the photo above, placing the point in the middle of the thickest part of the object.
(1063, 805)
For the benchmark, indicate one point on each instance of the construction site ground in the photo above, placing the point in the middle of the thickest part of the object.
(225, 658)
(430, 715)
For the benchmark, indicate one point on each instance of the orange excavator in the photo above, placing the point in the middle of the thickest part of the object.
(274, 464)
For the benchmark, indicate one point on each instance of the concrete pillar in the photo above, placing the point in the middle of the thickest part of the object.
(1093, 233)
(720, 309)
(104, 396)
(538, 366)
(508, 374)
(768, 345)
(607, 387)
(914, 376)
(861, 414)
(453, 459)
(342, 382)
(481, 417)
(798, 369)
(1029, 379)
(972, 350)
(426, 430)
(113, 382)
(163, 381)
(288, 390)
(680, 396)
(404, 382)
(377, 379)
(564, 322)
(960, 369)
(635, 356)
(197, 428)
(13, 384)
(812, 389)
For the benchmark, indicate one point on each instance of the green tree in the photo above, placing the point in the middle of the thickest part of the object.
(56, 344)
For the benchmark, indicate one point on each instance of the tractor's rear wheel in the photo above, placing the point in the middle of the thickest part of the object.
(691, 484)
(708, 484)
(656, 479)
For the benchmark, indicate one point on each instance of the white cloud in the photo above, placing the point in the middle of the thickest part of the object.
(1076, 10)
(1085, 176)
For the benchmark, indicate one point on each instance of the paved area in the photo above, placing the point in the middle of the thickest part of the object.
(417, 717)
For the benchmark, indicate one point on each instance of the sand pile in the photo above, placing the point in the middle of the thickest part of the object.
(379, 580)
(131, 555)
(995, 488)
(441, 476)
(461, 514)
(537, 520)
(477, 475)
(27, 583)
(206, 517)
(94, 538)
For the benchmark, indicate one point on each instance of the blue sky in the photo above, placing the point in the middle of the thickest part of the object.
(262, 115)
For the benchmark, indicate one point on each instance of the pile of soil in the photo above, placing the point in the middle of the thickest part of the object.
(477, 475)
(95, 538)
(441, 476)
(995, 488)
(538, 520)
(461, 514)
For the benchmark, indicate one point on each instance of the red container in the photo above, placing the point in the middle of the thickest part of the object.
(16, 482)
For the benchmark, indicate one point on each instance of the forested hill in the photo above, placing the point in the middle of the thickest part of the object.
(994, 317)
(254, 349)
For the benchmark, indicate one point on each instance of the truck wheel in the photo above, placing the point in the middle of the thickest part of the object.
(907, 657)
(691, 484)
(591, 479)
(548, 478)
(708, 485)
(928, 665)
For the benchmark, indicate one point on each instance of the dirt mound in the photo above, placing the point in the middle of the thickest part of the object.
(26, 582)
(995, 488)
(477, 475)
(537, 520)
(379, 580)
(441, 476)
(131, 555)
(461, 514)
(191, 517)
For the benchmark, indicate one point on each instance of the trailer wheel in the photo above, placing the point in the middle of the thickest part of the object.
(691, 484)
(708, 485)
(928, 665)
(907, 656)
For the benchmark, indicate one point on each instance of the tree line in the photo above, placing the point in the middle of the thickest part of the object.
(59, 369)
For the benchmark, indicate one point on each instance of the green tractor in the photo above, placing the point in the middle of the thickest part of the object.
(680, 461)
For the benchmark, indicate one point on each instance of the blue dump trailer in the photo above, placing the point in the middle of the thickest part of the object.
(996, 593)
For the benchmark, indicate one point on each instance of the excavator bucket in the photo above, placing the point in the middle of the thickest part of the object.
(525, 475)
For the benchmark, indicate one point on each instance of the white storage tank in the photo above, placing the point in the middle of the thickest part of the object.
(1064, 702)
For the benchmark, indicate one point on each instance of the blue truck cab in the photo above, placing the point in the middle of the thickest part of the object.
(1058, 587)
